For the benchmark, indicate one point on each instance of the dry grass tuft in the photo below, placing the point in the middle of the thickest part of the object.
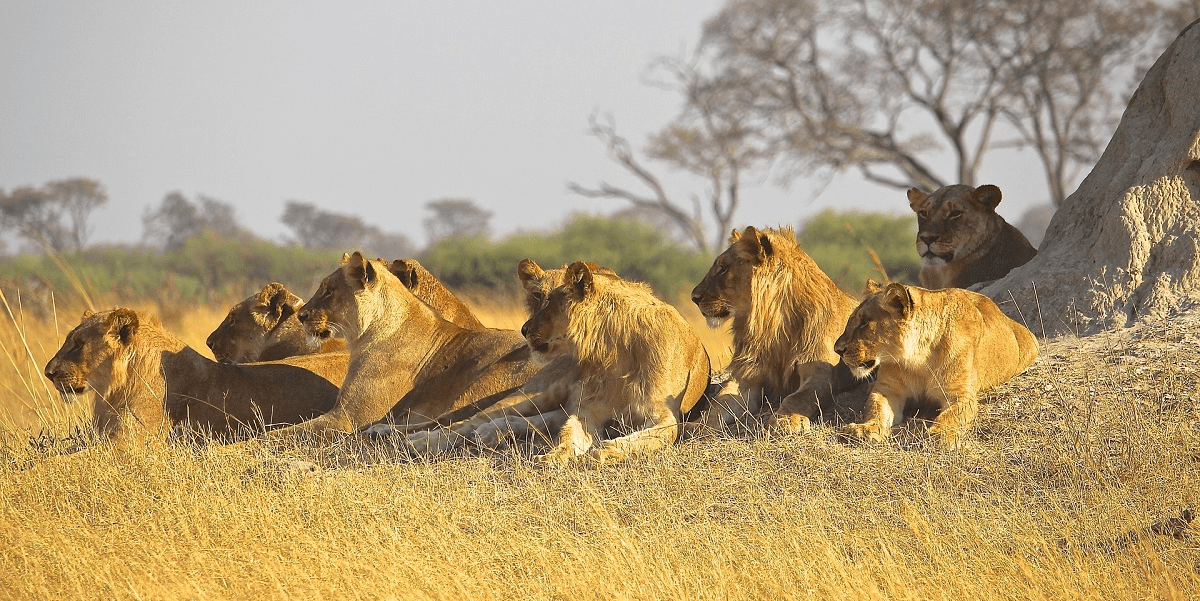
(1099, 438)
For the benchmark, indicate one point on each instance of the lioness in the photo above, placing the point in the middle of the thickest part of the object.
(786, 314)
(145, 381)
(961, 239)
(264, 327)
(931, 348)
(538, 405)
(406, 362)
(639, 364)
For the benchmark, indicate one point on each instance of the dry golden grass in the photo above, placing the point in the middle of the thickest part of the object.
(1100, 437)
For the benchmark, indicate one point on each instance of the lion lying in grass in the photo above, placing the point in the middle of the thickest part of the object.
(934, 349)
(537, 407)
(786, 315)
(147, 381)
(406, 362)
(639, 363)
(264, 326)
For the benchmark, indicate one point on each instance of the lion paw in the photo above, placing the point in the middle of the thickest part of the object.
(429, 442)
(946, 438)
(793, 423)
(381, 430)
(556, 456)
(868, 432)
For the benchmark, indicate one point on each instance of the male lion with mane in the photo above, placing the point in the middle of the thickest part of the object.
(961, 239)
(264, 326)
(933, 349)
(406, 362)
(786, 314)
(639, 363)
(146, 381)
(537, 407)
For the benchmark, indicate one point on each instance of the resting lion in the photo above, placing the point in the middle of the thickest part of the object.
(406, 362)
(933, 349)
(961, 239)
(146, 381)
(538, 405)
(264, 326)
(640, 364)
(786, 314)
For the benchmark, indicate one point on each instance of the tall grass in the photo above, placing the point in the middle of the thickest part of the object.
(1099, 438)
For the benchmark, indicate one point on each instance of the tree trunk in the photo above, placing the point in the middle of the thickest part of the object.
(1125, 244)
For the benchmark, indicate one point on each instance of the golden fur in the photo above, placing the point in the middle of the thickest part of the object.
(264, 326)
(538, 405)
(406, 362)
(146, 381)
(960, 238)
(640, 364)
(786, 315)
(930, 348)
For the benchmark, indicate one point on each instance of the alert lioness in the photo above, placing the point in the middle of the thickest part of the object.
(961, 239)
(640, 364)
(930, 348)
(406, 362)
(145, 381)
(786, 315)
(264, 326)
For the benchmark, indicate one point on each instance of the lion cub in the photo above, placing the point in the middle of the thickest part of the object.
(961, 239)
(639, 362)
(937, 348)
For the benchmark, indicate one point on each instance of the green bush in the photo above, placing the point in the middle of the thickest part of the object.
(841, 241)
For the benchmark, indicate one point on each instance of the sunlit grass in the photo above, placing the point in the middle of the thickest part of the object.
(1100, 437)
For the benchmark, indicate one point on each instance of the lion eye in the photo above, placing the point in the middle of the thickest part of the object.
(955, 214)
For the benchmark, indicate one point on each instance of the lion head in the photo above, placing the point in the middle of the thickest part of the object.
(334, 308)
(725, 290)
(538, 282)
(954, 221)
(94, 353)
(546, 329)
(246, 331)
(876, 324)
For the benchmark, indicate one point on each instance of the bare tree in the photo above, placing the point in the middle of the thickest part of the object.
(79, 198)
(884, 86)
(456, 217)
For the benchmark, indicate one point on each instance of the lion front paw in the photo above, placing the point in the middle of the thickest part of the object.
(380, 430)
(429, 442)
(556, 456)
(946, 438)
(792, 423)
(869, 432)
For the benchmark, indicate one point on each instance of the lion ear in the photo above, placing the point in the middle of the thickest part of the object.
(734, 236)
(282, 302)
(123, 323)
(987, 196)
(360, 270)
(755, 244)
(579, 278)
(872, 287)
(87, 313)
(916, 198)
(528, 270)
(406, 271)
(898, 297)
(346, 258)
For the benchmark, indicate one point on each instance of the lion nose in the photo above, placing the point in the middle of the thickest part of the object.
(50, 372)
(928, 238)
(696, 297)
(302, 315)
(525, 329)
(209, 343)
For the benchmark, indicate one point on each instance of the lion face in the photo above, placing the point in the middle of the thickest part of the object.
(244, 333)
(334, 306)
(725, 290)
(546, 330)
(954, 221)
(873, 328)
(86, 358)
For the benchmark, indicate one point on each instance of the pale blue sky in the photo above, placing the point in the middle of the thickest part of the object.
(359, 107)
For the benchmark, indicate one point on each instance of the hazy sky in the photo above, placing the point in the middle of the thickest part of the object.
(359, 107)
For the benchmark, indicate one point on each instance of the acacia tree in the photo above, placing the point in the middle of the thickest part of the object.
(54, 216)
(456, 217)
(314, 227)
(176, 219)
